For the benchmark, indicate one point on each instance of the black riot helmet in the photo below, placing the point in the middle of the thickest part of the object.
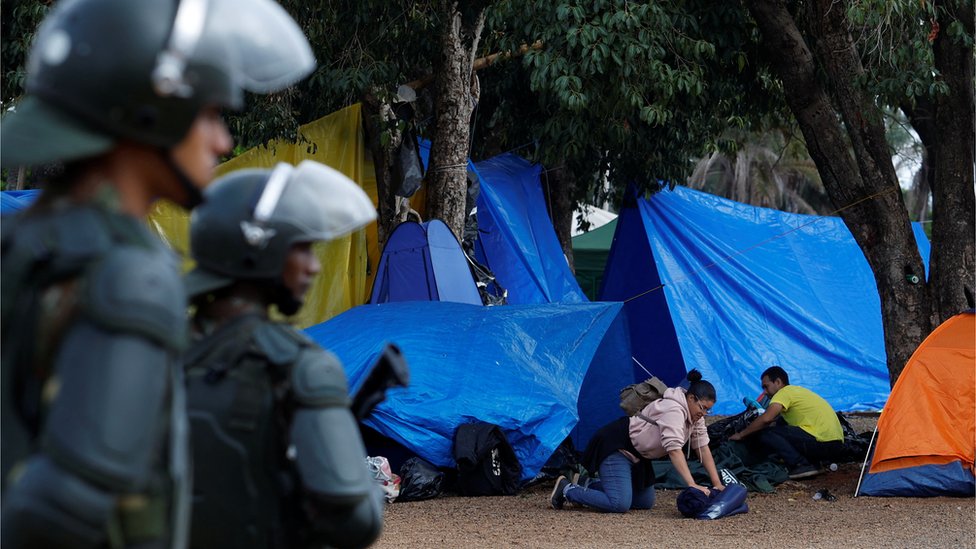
(251, 218)
(103, 70)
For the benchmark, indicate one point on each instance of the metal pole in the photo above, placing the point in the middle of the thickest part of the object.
(866, 455)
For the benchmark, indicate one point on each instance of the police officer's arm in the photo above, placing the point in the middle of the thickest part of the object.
(761, 422)
(346, 504)
(107, 416)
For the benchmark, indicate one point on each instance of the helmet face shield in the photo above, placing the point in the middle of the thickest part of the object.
(256, 42)
(320, 203)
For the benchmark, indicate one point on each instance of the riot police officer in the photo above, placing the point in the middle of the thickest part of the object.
(127, 96)
(278, 458)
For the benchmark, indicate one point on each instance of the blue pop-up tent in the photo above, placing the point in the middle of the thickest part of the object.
(423, 262)
(540, 372)
(732, 289)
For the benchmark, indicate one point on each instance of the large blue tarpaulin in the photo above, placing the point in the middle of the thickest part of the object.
(732, 289)
(540, 372)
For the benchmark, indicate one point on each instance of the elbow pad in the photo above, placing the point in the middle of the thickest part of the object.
(354, 527)
(108, 420)
(329, 451)
(48, 507)
(330, 456)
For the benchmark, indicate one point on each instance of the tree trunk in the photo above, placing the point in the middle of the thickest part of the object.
(953, 267)
(863, 187)
(377, 116)
(559, 187)
(447, 174)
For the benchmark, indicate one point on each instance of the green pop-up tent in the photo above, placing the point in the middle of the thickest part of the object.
(590, 250)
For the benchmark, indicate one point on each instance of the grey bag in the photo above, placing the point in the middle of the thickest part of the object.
(634, 397)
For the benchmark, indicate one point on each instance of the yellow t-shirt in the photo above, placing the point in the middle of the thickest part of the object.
(809, 411)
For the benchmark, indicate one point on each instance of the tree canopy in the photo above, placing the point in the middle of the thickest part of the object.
(608, 92)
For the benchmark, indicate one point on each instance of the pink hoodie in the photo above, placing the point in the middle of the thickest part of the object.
(673, 428)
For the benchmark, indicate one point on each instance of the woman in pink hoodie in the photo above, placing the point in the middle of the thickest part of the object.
(622, 450)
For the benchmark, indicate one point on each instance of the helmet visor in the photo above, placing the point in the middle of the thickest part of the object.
(320, 202)
(255, 44)
(271, 50)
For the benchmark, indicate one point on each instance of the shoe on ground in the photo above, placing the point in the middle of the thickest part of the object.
(556, 499)
(803, 471)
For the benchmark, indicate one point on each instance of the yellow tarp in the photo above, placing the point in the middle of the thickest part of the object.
(335, 140)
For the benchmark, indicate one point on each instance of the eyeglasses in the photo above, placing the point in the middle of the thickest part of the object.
(705, 411)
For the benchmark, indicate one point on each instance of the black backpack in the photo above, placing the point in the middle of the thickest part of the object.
(486, 462)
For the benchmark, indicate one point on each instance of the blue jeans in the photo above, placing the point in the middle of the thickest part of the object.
(614, 492)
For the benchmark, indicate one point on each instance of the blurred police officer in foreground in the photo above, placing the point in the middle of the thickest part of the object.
(278, 458)
(127, 96)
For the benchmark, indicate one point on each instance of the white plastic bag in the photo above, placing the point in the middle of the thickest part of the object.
(379, 468)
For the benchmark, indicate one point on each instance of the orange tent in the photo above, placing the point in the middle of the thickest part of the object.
(927, 430)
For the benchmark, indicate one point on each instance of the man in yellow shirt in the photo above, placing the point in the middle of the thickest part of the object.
(811, 433)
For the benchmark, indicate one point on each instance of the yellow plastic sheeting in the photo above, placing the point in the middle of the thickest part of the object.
(335, 140)
(172, 224)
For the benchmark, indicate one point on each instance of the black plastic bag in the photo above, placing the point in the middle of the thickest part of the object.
(419, 480)
(721, 430)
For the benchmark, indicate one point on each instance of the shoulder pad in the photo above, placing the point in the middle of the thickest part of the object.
(318, 379)
(138, 290)
(280, 342)
(63, 243)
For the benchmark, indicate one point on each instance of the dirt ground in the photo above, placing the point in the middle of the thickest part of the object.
(789, 518)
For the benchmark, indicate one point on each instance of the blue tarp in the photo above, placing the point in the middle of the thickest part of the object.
(12, 201)
(424, 262)
(531, 369)
(732, 289)
(516, 235)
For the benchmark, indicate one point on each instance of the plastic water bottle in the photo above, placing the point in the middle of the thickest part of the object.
(824, 495)
(750, 403)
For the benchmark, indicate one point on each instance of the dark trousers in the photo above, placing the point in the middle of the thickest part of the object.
(796, 446)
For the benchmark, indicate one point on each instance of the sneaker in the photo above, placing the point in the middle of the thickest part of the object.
(803, 471)
(556, 498)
